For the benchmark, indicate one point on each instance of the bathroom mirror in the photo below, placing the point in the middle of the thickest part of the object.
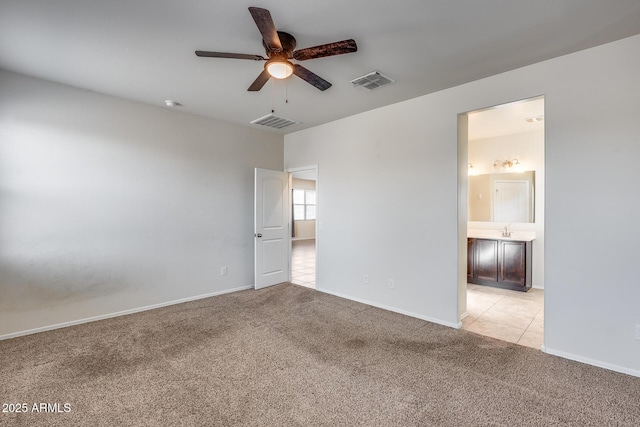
(502, 197)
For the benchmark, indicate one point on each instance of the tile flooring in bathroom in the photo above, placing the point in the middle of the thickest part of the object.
(513, 316)
(303, 262)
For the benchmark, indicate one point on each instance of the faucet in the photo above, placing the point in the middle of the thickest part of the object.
(506, 232)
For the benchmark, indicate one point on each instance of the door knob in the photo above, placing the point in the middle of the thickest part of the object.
(259, 235)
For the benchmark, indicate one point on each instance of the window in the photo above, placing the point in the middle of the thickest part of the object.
(304, 204)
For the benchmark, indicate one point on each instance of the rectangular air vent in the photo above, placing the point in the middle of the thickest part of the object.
(372, 80)
(274, 121)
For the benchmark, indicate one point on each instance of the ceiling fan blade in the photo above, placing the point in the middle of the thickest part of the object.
(329, 49)
(310, 77)
(208, 54)
(259, 82)
(267, 27)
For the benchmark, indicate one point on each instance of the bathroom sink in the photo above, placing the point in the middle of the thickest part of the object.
(523, 236)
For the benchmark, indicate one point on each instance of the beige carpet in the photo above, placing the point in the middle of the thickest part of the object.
(292, 356)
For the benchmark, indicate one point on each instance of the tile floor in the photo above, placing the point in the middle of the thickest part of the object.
(513, 316)
(303, 262)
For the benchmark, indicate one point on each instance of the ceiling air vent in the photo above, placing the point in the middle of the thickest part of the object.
(273, 121)
(372, 80)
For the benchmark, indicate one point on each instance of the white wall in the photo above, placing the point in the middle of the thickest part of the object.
(109, 205)
(382, 207)
(403, 162)
(528, 148)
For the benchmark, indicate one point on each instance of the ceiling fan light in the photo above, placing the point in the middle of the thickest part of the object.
(280, 69)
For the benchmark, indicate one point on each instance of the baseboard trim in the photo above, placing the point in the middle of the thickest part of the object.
(457, 325)
(119, 313)
(593, 362)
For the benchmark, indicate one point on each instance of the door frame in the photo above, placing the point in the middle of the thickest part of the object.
(463, 193)
(291, 171)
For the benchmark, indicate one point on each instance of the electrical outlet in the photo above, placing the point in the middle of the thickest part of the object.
(392, 283)
(638, 332)
(223, 271)
(366, 278)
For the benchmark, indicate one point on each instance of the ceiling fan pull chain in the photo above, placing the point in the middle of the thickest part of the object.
(273, 96)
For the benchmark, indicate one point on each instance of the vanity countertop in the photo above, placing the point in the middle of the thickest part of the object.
(521, 236)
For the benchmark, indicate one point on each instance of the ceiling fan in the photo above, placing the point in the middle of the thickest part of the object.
(279, 47)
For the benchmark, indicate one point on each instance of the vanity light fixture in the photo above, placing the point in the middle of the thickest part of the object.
(507, 165)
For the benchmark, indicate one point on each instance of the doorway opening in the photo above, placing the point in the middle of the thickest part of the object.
(501, 221)
(304, 225)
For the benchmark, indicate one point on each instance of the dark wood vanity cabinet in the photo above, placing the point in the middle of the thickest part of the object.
(499, 263)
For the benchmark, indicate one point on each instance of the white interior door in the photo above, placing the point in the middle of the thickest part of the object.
(511, 201)
(271, 227)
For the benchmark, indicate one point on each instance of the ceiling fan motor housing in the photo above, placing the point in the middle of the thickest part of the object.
(288, 43)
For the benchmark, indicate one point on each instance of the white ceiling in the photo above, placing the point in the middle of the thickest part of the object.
(506, 119)
(143, 50)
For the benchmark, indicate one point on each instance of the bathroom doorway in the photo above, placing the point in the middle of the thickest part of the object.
(503, 143)
(304, 225)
